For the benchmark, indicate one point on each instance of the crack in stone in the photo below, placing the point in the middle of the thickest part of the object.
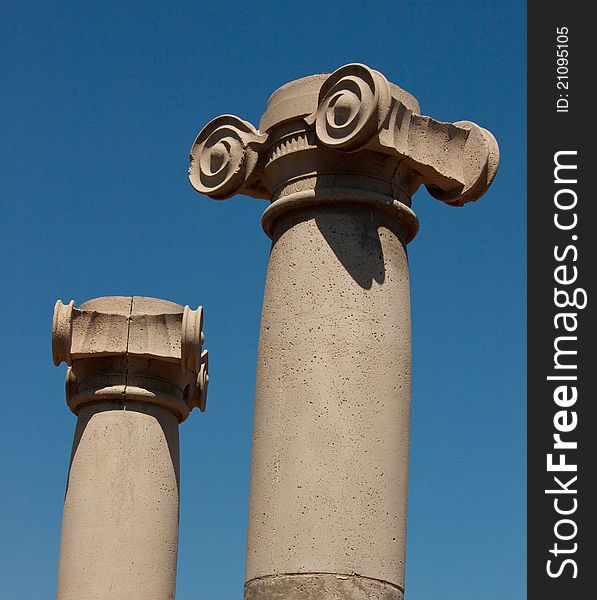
(126, 352)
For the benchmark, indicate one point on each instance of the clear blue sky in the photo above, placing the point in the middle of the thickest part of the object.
(100, 103)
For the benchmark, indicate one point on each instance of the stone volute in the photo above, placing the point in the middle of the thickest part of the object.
(136, 368)
(339, 157)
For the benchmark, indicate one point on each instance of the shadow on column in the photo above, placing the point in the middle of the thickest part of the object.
(353, 236)
(167, 422)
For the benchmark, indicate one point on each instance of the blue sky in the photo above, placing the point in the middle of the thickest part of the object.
(100, 104)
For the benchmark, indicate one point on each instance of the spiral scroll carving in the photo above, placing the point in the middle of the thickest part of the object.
(353, 103)
(62, 332)
(354, 123)
(191, 339)
(203, 381)
(195, 393)
(223, 156)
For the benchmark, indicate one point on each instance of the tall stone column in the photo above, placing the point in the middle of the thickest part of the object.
(339, 156)
(135, 370)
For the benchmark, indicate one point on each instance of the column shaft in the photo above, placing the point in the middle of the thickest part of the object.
(331, 428)
(120, 521)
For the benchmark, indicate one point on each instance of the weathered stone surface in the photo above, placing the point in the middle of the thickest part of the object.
(350, 122)
(331, 426)
(339, 157)
(322, 586)
(120, 520)
(136, 369)
(132, 348)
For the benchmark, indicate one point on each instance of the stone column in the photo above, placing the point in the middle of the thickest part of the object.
(339, 156)
(135, 370)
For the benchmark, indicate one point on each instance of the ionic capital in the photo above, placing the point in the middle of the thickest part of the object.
(131, 348)
(346, 137)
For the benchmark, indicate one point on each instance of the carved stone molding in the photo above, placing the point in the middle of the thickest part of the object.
(346, 137)
(132, 349)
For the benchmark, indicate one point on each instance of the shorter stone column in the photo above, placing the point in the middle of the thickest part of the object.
(135, 370)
